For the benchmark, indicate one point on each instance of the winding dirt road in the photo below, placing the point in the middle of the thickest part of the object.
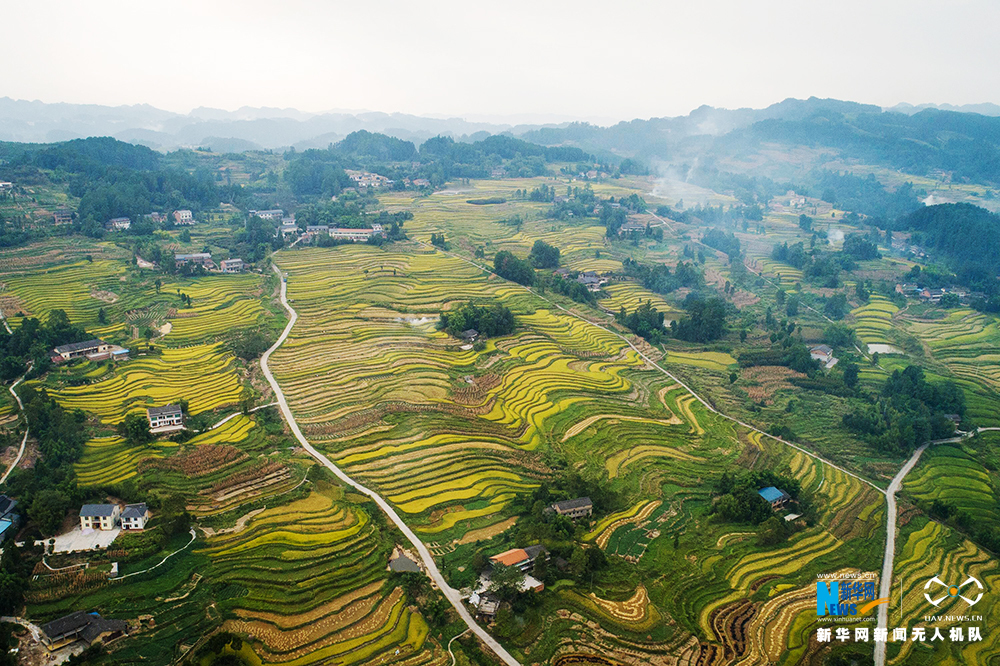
(430, 567)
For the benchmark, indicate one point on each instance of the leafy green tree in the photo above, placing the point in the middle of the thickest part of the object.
(544, 255)
(135, 429)
(505, 581)
(851, 375)
(48, 509)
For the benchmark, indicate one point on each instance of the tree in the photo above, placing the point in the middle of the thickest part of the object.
(48, 510)
(505, 581)
(850, 375)
(147, 333)
(836, 306)
(805, 222)
(102, 317)
(544, 255)
(135, 429)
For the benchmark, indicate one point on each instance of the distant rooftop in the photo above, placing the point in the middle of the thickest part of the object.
(569, 505)
(77, 346)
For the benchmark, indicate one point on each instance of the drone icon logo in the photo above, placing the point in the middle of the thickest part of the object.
(953, 591)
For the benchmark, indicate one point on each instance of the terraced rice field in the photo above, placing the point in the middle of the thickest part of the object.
(874, 319)
(450, 445)
(630, 295)
(204, 375)
(321, 599)
(951, 473)
(67, 287)
(110, 460)
(929, 549)
(966, 342)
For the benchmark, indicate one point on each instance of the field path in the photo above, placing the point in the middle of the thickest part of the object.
(885, 582)
(449, 592)
(24, 440)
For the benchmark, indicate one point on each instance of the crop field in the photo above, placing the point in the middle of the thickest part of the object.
(951, 473)
(966, 342)
(874, 319)
(630, 295)
(221, 304)
(71, 287)
(110, 460)
(321, 597)
(929, 549)
(204, 375)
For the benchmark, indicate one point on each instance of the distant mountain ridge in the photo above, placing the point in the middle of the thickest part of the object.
(274, 128)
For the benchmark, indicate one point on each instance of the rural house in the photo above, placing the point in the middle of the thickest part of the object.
(135, 516)
(274, 214)
(79, 349)
(776, 498)
(62, 216)
(80, 626)
(155, 217)
(99, 516)
(822, 353)
(183, 217)
(574, 508)
(231, 265)
(120, 224)
(196, 258)
(522, 558)
(167, 417)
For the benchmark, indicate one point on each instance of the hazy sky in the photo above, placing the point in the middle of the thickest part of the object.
(608, 60)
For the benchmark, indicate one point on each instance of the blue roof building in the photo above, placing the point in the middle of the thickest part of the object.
(773, 496)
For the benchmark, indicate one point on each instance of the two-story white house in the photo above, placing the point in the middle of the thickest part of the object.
(135, 516)
(99, 516)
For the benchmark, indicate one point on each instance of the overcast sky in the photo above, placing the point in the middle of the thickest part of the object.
(603, 61)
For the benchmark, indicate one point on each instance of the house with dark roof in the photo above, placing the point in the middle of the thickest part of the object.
(775, 497)
(135, 516)
(203, 258)
(574, 508)
(166, 418)
(469, 334)
(99, 516)
(90, 628)
(80, 349)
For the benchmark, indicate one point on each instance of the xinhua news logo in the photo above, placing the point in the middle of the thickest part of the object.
(846, 597)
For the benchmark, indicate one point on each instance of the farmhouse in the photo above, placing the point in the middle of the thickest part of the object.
(776, 498)
(78, 349)
(6, 185)
(288, 228)
(366, 179)
(120, 224)
(99, 516)
(273, 214)
(197, 258)
(157, 218)
(469, 334)
(932, 295)
(89, 628)
(168, 417)
(355, 235)
(522, 558)
(62, 216)
(421, 182)
(822, 353)
(135, 516)
(231, 265)
(184, 217)
(574, 508)
(632, 228)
